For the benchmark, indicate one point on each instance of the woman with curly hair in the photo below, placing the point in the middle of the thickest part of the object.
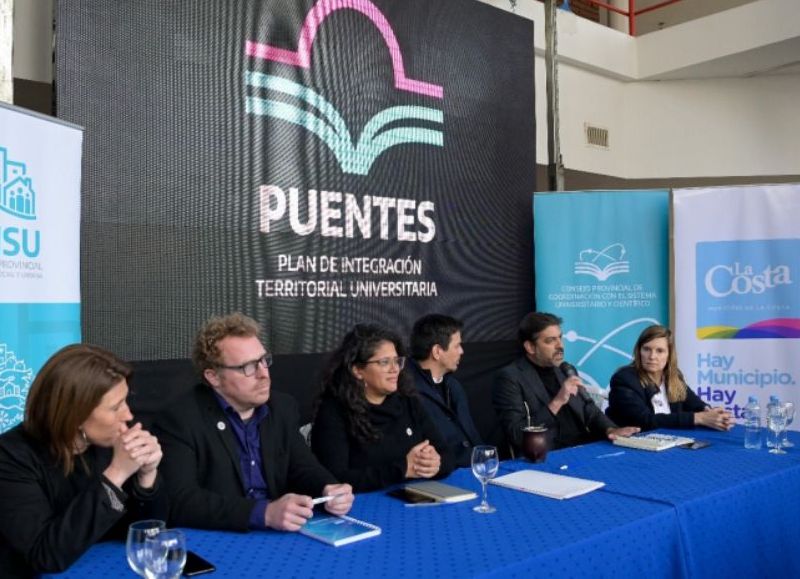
(370, 428)
(651, 392)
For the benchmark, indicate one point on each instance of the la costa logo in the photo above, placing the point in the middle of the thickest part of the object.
(724, 280)
(15, 381)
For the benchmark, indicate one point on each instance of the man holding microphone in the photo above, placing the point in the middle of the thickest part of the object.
(540, 389)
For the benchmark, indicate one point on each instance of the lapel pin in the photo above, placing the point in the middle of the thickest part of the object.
(220, 425)
(409, 431)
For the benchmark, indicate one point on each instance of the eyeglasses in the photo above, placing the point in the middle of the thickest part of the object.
(249, 368)
(386, 363)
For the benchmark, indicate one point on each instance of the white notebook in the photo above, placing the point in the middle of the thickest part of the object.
(554, 486)
(338, 531)
(652, 441)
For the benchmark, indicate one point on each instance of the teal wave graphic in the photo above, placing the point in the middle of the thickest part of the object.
(353, 157)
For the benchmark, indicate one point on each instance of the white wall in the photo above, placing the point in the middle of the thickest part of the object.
(587, 97)
(679, 12)
(719, 127)
(33, 51)
(6, 34)
(707, 127)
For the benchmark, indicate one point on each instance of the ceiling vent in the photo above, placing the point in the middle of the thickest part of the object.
(596, 136)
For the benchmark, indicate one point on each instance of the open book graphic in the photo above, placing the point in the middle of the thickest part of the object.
(338, 531)
(393, 126)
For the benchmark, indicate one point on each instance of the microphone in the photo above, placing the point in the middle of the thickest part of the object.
(569, 371)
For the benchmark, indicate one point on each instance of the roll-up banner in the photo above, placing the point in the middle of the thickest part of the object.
(602, 264)
(40, 175)
(737, 262)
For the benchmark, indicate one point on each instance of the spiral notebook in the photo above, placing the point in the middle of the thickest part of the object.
(338, 530)
(653, 441)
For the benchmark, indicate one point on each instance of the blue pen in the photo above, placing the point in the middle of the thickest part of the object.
(609, 455)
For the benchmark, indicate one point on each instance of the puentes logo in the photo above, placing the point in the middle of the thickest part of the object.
(603, 263)
(318, 116)
(747, 289)
(17, 196)
(15, 381)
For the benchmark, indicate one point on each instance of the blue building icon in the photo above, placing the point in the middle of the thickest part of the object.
(17, 196)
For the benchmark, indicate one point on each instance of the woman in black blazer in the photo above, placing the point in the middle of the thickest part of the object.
(651, 392)
(73, 472)
(371, 429)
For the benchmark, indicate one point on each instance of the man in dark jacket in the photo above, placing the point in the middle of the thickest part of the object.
(234, 457)
(533, 390)
(436, 349)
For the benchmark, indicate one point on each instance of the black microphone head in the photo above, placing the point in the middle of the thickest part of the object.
(568, 369)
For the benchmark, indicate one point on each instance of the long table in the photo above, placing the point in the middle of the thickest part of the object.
(722, 510)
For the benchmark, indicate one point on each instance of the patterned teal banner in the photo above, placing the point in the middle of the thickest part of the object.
(602, 264)
(29, 335)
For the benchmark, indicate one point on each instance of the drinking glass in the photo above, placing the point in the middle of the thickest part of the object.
(134, 545)
(165, 555)
(776, 422)
(484, 466)
(789, 408)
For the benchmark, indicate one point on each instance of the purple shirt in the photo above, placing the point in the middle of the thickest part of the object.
(250, 463)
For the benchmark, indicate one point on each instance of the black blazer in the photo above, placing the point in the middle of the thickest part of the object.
(517, 383)
(201, 460)
(48, 520)
(454, 423)
(629, 402)
(368, 466)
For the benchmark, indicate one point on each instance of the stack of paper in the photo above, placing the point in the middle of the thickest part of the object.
(554, 486)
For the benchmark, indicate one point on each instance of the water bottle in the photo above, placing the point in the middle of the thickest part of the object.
(752, 424)
(773, 401)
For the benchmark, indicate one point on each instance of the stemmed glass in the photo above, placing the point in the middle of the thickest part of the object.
(776, 422)
(165, 555)
(789, 409)
(484, 466)
(134, 545)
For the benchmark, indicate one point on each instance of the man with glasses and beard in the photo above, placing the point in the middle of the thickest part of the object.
(533, 390)
(234, 456)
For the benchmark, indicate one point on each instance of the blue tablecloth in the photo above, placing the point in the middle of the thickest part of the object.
(679, 513)
(738, 510)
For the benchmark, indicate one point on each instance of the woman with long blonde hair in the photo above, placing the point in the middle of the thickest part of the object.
(652, 393)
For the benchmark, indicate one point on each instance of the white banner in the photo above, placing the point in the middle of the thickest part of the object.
(40, 174)
(737, 292)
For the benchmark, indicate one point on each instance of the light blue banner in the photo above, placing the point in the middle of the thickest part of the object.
(29, 335)
(602, 264)
(40, 169)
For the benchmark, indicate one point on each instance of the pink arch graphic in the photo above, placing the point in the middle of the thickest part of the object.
(318, 13)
